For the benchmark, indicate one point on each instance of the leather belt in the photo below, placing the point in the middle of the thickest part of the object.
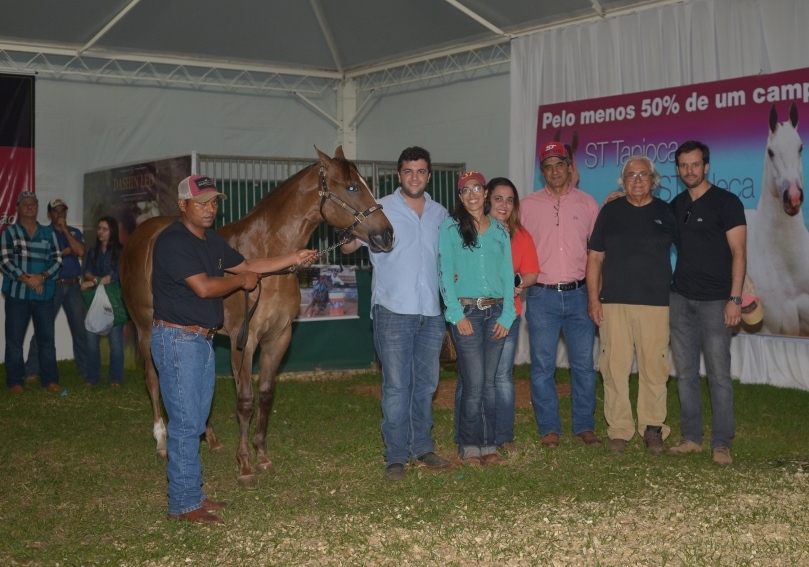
(481, 302)
(563, 286)
(69, 281)
(209, 333)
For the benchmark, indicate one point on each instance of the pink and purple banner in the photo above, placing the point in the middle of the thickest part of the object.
(751, 125)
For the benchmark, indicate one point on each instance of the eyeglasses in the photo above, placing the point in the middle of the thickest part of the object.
(464, 191)
(687, 214)
(556, 208)
(642, 175)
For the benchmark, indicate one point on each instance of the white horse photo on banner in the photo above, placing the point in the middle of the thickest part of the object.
(778, 243)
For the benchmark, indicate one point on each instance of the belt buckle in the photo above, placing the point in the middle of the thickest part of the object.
(480, 305)
(209, 335)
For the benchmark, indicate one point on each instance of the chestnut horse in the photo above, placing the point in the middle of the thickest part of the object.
(332, 191)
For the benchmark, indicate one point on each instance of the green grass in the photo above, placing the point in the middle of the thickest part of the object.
(81, 485)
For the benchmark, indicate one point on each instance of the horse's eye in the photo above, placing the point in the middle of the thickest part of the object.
(353, 188)
(769, 151)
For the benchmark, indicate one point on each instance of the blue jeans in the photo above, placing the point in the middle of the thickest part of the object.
(504, 395)
(547, 312)
(408, 346)
(478, 359)
(69, 297)
(116, 375)
(19, 312)
(700, 326)
(186, 370)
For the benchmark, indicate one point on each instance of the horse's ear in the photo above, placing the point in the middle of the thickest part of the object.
(773, 118)
(338, 153)
(324, 158)
(793, 115)
(558, 136)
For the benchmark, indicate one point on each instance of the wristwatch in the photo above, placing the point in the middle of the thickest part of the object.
(736, 299)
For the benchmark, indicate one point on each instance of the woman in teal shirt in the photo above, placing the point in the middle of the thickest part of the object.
(477, 282)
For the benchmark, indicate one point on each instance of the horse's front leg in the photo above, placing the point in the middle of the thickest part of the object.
(244, 409)
(272, 351)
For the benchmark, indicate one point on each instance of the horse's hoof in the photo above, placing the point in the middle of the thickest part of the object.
(265, 467)
(247, 480)
(216, 447)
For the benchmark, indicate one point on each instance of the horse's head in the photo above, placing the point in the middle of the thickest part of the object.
(784, 148)
(348, 204)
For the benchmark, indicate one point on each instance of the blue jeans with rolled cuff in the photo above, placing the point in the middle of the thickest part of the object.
(478, 358)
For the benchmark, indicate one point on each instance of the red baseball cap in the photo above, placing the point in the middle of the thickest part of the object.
(199, 188)
(553, 149)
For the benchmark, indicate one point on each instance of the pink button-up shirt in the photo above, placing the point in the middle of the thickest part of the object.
(560, 231)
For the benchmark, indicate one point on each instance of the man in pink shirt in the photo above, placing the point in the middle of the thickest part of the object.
(560, 219)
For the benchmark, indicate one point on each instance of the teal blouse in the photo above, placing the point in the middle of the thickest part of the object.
(483, 271)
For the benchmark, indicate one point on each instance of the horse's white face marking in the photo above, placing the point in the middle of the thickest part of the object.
(784, 149)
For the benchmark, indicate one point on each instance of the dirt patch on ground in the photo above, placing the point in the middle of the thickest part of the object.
(444, 397)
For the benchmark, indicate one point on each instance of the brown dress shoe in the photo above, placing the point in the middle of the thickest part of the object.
(16, 389)
(493, 459)
(588, 438)
(472, 461)
(53, 388)
(550, 440)
(200, 515)
(212, 505)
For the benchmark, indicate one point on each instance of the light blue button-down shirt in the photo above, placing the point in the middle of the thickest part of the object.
(405, 280)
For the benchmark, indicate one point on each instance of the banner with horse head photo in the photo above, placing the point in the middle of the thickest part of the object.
(751, 125)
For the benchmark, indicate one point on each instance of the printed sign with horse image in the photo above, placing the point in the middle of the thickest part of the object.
(331, 190)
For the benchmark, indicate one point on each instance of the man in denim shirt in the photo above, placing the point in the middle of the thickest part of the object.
(408, 324)
(30, 258)
(68, 290)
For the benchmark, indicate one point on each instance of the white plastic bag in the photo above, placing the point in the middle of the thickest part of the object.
(100, 316)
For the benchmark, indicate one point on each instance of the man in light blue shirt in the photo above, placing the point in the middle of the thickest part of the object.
(409, 326)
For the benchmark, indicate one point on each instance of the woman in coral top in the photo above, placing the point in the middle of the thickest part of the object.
(503, 203)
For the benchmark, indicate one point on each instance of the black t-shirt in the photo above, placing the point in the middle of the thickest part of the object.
(704, 260)
(636, 242)
(179, 254)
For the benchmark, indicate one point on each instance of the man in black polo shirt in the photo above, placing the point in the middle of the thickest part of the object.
(706, 299)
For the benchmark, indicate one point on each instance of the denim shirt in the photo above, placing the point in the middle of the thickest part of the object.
(405, 280)
(104, 267)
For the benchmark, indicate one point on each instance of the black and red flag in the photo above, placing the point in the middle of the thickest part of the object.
(16, 142)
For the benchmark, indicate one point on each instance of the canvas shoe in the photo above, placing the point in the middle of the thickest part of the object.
(721, 457)
(684, 447)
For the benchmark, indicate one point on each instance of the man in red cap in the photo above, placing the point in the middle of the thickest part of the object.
(560, 219)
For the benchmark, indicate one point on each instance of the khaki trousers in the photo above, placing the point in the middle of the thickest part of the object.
(627, 330)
